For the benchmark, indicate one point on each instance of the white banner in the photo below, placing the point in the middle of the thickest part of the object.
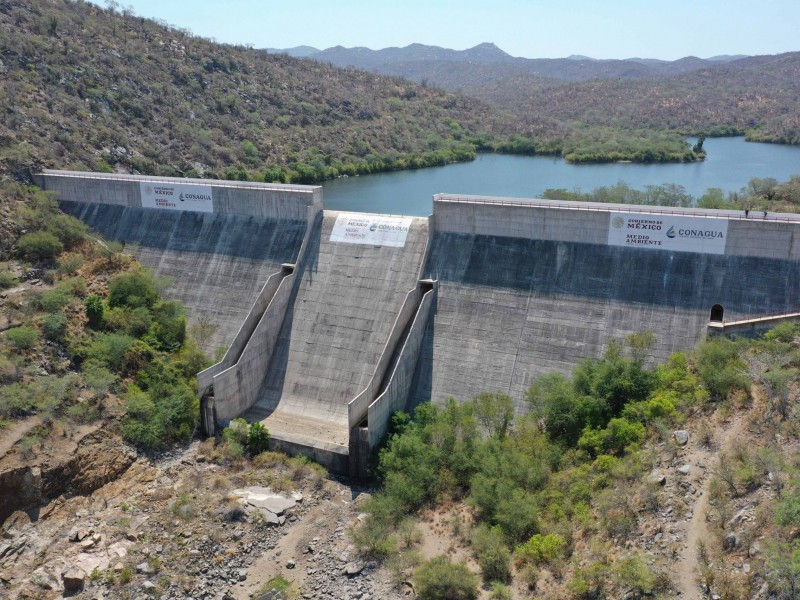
(177, 196)
(374, 230)
(666, 232)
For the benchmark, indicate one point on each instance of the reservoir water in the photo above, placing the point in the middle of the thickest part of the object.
(730, 164)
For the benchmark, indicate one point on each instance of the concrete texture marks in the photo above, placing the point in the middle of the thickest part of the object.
(509, 309)
(345, 303)
(218, 263)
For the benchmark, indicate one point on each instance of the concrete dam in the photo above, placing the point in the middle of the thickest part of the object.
(333, 321)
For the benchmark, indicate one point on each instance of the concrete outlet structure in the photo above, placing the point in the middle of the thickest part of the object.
(333, 321)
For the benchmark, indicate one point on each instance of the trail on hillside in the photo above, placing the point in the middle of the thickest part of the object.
(697, 530)
(16, 432)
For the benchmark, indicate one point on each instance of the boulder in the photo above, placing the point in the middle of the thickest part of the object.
(73, 579)
(681, 437)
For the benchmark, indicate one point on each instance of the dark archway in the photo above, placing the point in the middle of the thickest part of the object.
(716, 313)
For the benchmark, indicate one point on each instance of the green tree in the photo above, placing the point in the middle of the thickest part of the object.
(94, 311)
(495, 411)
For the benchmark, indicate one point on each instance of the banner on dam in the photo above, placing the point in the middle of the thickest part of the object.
(177, 196)
(373, 230)
(666, 232)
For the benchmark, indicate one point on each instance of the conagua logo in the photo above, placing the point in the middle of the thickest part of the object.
(181, 196)
(671, 232)
(373, 227)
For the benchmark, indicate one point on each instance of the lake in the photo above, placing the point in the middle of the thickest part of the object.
(730, 164)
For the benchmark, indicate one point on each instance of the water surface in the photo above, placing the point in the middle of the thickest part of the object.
(730, 164)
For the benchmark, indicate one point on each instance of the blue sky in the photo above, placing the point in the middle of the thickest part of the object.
(666, 29)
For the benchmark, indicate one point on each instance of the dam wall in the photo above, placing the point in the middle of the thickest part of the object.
(528, 287)
(333, 321)
(219, 251)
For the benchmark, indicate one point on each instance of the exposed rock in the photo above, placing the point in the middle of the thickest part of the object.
(656, 477)
(730, 541)
(684, 469)
(145, 568)
(354, 568)
(681, 437)
(736, 519)
(148, 587)
(42, 578)
(73, 579)
(291, 564)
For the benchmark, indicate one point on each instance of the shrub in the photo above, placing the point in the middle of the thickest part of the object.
(441, 579)
(109, 349)
(785, 332)
(22, 338)
(787, 511)
(69, 265)
(94, 311)
(67, 229)
(54, 300)
(493, 555)
(501, 592)
(133, 289)
(55, 327)
(133, 321)
(542, 549)
(634, 575)
(168, 330)
(39, 245)
(183, 507)
(7, 280)
(257, 439)
(125, 575)
(719, 367)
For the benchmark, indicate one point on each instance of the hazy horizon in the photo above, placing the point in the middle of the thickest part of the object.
(617, 29)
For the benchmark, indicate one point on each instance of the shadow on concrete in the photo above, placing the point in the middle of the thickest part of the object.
(203, 233)
(744, 285)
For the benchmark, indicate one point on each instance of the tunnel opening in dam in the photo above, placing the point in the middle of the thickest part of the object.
(333, 321)
(717, 313)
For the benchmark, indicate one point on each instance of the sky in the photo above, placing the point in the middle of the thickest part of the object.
(665, 29)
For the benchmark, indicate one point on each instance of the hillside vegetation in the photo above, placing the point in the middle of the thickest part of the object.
(591, 107)
(91, 89)
(87, 88)
(757, 96)
(86, 335)
(626, 480)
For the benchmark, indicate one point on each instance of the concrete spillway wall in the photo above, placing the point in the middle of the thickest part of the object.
(218, 257)
(530, 287)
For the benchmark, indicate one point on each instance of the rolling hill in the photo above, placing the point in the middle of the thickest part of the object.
(89, 88)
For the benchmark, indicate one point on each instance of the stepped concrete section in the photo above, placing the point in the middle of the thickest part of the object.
(524, 289)
(346, 301)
